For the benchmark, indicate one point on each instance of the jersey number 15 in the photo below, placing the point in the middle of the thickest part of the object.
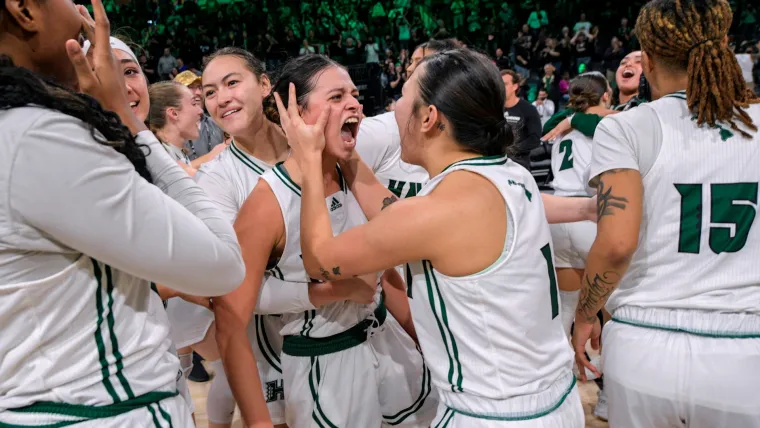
(733, 207)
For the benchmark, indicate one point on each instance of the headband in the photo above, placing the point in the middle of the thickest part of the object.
(115, 44)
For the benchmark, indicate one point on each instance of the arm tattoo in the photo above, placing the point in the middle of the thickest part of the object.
(595, 292)
(387, 201)
(327, 275)
(606, 200)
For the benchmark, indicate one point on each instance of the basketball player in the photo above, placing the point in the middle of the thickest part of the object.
(77, 245)
(627, 78)
(378, 144)
(591, 94)
(234, 87)
(492, 367)
(676, 244)
(174, 118)
(326, 349)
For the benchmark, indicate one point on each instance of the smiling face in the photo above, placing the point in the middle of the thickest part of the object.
(629, 73)
(137, 86)
(188, 116)
(334, 88)
(233, 94)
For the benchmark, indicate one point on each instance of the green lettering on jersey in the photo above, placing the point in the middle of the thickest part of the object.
(397, 187)
(528, 194)
(566, 147)
(733, 208)
(725, 134)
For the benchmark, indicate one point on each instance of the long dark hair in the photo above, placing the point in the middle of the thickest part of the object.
(20, 87)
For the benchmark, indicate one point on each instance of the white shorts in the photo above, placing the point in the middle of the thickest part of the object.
(167, 413)
(380, 382)
(680, 379)
(407, 397)
(572, 242)
(266, 341)
(569, 414)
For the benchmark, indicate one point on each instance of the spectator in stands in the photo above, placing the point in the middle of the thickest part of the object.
(306, 49)
(612, 57)
(502, 61)
(582, 24)
(581, 49)
(550, 83)
(523, 53)
(150, 72)
(522, 117)
(166, 65)
(625, 34)
(544, 106)
(181, 66)
(372, 49)
(210, 136)
(350, 50)
(537, 20)
(550, 54)
(564, 87)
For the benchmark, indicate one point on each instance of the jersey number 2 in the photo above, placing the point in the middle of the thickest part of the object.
(546, 250)
(733, 207)
(566, 147)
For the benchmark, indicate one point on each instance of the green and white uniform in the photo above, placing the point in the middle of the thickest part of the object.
(493, 340)
(692, 291)
(85, 338)
(571, 158)
(411, 402)
(336, 358)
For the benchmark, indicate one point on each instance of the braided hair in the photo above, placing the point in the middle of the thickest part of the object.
(689, 34)
(20, 87)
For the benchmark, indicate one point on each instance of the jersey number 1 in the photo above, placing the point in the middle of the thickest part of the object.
(733, 207)
(546, 250)
(566, 147)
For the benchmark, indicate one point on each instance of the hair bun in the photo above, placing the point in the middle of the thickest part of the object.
(498, 131)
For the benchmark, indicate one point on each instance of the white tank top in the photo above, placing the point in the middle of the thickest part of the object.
(571, 157)
(495, 334)
(699, 241)
(345, 213)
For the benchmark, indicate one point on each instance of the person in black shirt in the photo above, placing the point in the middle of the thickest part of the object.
(523, 118)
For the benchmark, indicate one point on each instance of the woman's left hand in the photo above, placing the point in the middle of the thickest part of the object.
(305, 140)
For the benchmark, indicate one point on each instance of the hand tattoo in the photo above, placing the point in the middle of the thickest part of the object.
(387, 201)
(605, 200)
(594, 293)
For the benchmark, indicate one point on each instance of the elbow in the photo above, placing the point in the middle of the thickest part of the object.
(619, 253)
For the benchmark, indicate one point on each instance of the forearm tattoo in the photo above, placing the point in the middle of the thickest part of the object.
(330, 276)
(595, 292)
(387, 201)
(606, 200)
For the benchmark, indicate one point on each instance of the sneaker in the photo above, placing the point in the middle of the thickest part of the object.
(600, 411)
(198, 373)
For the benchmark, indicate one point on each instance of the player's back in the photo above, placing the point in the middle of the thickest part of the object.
(698, 242)
(494, 338)
(571, 157)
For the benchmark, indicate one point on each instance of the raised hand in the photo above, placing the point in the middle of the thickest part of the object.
(306, 141)
(101, 76)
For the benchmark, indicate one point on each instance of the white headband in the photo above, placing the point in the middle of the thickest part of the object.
(115, 44)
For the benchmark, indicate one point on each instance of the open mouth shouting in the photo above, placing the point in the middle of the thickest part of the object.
(628, 73)
(349, 130)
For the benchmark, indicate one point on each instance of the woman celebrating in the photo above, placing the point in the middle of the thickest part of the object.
(675, 256)
(589, 93)
(484, 296)
(76, 242)
(343, 365)
(174, 118)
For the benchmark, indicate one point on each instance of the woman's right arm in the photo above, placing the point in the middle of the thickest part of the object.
(88, 197)
(259, 226)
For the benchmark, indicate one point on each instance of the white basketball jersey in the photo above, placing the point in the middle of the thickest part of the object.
(699, 243)
(230, 177)
(90, 334)
(495, 334)
(345, 213)
(379, 145)
(571, 157)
